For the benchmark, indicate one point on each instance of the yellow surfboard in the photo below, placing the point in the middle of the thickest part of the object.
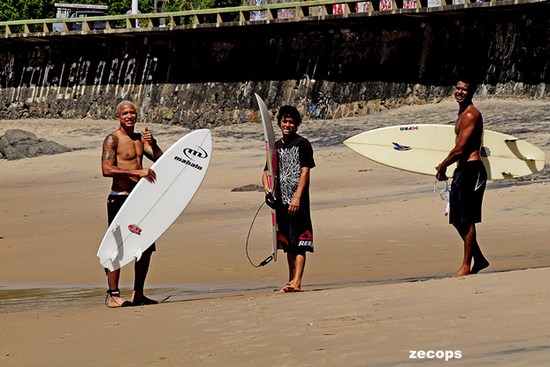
(420, 148)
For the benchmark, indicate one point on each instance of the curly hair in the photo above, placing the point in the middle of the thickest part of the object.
(289, 111)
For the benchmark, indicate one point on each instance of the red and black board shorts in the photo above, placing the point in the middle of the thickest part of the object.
(294, 232)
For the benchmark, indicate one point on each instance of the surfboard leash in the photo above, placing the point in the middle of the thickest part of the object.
(444, 194)
(267, 259)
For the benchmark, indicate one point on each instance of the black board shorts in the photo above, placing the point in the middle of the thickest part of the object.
(114, 203)
(294, 232)
(466, 197)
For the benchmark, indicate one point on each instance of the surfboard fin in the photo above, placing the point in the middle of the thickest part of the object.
(515, 140)
(508, 175)
(118, 238)
(113, 255)
(138, 254)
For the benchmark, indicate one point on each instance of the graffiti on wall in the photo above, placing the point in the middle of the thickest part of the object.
(75, 79)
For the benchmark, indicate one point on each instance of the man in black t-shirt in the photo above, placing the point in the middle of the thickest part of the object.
(294, 159)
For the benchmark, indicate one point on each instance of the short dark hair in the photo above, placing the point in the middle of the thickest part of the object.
(290, 111)
(472, 85)
(469, 77)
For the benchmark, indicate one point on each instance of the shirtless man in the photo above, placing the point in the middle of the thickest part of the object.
(469, 178)
(122, 159)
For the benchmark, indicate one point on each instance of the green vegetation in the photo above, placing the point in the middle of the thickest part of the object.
(43, 9)
(177, 5)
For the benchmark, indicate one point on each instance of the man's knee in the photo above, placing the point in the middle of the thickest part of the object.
(464, 228)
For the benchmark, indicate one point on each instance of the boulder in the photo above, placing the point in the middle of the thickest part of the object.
(18, 144)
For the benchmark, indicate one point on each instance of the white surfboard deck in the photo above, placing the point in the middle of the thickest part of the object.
(151, 208)
(420, 148)
(269, 137)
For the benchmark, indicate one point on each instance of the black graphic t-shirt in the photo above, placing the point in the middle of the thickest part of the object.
(291, 157)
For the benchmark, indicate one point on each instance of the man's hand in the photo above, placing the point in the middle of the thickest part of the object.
(148, 174)
(148, 136)
(441, 174)
(270, 200)
(294, 206)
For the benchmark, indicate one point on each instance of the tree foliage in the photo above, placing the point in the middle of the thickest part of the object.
(178, 5)
(42, 9)
(26, 9)
(8, 11)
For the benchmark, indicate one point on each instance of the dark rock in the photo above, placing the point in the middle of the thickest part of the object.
(246, 188)
(18, 144)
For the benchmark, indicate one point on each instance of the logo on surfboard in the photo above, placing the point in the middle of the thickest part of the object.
(192, 154)
(399, 147)
(134, 228)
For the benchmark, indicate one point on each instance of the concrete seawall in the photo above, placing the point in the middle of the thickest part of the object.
(328, 68)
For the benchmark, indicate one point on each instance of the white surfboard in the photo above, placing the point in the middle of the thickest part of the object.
(151, 208)
(269, 137)
(420, 148)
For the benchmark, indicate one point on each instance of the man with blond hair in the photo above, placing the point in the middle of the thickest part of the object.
(122, 159)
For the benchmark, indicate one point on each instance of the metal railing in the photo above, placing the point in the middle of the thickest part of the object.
(236, 16)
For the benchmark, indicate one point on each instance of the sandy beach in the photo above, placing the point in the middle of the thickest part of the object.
(377, 290)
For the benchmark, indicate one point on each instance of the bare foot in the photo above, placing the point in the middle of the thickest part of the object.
(463, 271)
(479, 266)
(113, 300)
(289, 289)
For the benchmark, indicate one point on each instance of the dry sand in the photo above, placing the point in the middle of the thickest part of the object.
(376, 288)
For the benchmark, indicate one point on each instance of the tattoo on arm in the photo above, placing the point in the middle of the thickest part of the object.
(109, 147)
(107, 155)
